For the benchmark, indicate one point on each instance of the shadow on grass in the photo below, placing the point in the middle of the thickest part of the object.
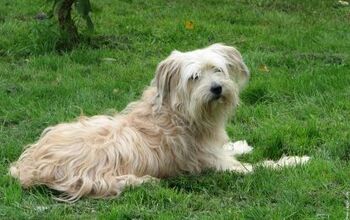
(209, 182)
(43, 37)
(257, 94)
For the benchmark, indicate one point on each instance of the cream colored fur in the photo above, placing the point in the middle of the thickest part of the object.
(177, 127)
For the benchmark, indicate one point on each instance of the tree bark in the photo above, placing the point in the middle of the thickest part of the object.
(67, 26)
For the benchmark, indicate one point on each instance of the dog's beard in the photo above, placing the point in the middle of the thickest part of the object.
(208, 110)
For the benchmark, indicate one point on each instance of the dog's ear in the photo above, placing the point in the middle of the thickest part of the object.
(167, 76)
(234, 61)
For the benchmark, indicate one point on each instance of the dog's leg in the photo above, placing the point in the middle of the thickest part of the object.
(238, 148)
(235, 149)
(226, 162)
(241, 147)
(112, 186)
(285, 161)
(121, 182)
(240, 167)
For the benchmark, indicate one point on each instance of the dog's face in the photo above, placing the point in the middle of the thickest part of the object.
(201, 84)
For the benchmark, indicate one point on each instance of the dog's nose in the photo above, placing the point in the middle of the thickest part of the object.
(216, 89)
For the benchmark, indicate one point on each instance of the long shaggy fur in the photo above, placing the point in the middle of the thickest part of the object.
(177, 127)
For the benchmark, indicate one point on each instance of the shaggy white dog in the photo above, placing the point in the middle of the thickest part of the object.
(177, 127)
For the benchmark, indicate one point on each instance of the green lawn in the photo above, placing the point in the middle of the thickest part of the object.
(297, 102)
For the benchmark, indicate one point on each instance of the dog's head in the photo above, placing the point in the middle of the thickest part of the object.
(201, 84)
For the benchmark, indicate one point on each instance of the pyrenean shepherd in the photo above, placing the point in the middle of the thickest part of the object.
(177, 127)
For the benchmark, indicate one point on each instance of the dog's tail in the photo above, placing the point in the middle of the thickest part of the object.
(76, 181)
(14, 171)
(24, 169)
(78, 159)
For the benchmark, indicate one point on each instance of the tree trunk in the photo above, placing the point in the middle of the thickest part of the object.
(67, 26)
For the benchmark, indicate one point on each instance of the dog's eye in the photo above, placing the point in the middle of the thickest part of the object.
(218, 70)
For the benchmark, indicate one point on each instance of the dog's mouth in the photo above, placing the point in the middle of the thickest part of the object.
(216, 97)
(220, 99)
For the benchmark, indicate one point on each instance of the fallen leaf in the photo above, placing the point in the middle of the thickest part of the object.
(264, 68)
(343, 3)
(109, 59)
(115, 91)
(189, 25)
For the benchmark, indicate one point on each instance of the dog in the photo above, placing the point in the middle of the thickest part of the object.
(177, 127)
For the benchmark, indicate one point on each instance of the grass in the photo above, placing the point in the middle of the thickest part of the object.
(296, 103)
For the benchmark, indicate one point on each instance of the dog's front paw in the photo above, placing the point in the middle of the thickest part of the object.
(286, 161)
(238, 147)
(243, 168)
(293, 160)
